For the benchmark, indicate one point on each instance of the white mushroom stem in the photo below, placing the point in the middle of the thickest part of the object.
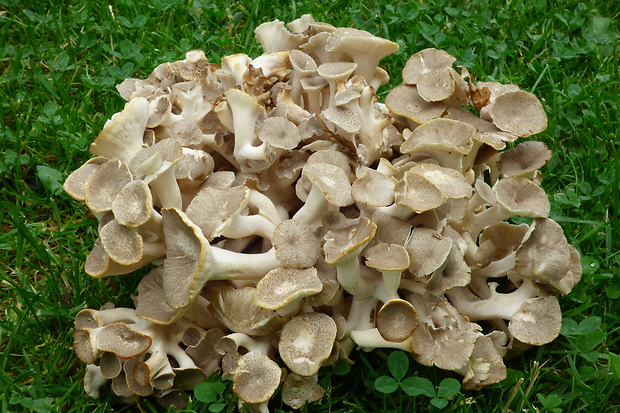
(240, 226)
(93, 380)
(265, 206)
(402, 212)
(371, 338)
(315, 206)
(245, 111)
(498, 268)
(257, 344)
(362, 314)
(497, 306)
(162, 180)
(350, 277)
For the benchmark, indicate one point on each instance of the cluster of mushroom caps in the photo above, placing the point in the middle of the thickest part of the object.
(289, 217)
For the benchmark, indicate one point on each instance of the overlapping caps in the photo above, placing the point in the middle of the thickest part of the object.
(289, 218)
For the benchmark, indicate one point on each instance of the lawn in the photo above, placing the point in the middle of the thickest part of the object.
(60, 62)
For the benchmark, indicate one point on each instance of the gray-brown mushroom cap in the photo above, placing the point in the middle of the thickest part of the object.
(256, 378)
(298, 390)
(405, 100)
(332, 181)
(372, 188)
(524, 158)
(123, 244)
(133, 206)
(341, 242)
(76, 183)
(212, 207)
(279, 133)
(396, 320)
(544, 256)
(122, 340)
(295, 244)
(440, 134)
(306, 341)
(429, 69)
(105, 183)
(151, 302)
(282, 286)
(447, 348)
(522, 197)
(110, 364)
(518, 112)
(428, 250)
(538, 321)
(417, 192)
(235, 308)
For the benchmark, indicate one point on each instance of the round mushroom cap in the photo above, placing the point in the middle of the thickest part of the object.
(256, 378)
(405, 100)
(151, 162)
(452, 135)
(429, 69)
(504, 237)
(537, 322)
(235, 308)
(524, 158)
(332, 181)
(206, 354)
(428, 250)
(372, 188)
(151, 301)
(110, 364)
(350, 240)
(417, 192)
(336, 71)
(85, 345)
(522, 197)
(76, 183)
(105, 183)
(138, 377)
(396, 320)
(133, 206)
(518, 112)
(450, 182)
(344, 118)
(279, 132)
(88, 318)
(123, 244)
(212, 207)
(122, 340)
(306, 341)
(387, 257)
(487, 366)
(282, 286)
(298, 390)
(544, 256)
(454, 273)
(295, 244)
(121, 137)
(447, 348)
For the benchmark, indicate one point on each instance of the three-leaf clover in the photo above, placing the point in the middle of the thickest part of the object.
(398, 364)
(211, 392)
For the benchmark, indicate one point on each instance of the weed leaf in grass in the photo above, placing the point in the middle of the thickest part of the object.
(386, 384)
(614, 365)
(416, 386)
(398, 363)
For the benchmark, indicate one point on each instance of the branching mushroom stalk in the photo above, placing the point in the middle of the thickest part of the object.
(290, 216)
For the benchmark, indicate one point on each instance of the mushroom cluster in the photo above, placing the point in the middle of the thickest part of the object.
(288, 217)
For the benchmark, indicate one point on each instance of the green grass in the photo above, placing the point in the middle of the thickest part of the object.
(59, 62)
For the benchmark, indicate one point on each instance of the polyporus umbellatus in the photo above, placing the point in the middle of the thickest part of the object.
(289, 215)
